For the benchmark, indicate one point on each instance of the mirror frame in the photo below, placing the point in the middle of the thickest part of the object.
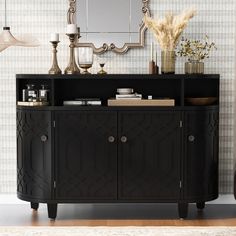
(112, 47)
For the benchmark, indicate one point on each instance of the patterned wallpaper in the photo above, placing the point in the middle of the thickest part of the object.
(215, 17)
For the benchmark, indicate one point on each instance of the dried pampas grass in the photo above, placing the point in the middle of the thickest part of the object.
(167, 31)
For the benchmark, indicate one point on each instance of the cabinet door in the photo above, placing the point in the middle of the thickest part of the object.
(201, 155)
(149, 155)
(86, 155)
(34, 154)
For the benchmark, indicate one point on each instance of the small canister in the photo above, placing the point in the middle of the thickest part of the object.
(31, 93)
(43, 93)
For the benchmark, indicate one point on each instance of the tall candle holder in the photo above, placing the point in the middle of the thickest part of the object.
(55, 70)
(72, 67)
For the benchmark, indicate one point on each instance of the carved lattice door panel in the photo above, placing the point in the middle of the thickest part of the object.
(201, 154)
(34, 154)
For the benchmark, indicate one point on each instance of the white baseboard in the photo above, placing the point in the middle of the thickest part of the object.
(12, 199)
(224, 199)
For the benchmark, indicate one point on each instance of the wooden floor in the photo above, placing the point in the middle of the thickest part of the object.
(118, 215)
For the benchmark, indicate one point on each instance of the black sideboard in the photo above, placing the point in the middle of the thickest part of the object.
(102, 154)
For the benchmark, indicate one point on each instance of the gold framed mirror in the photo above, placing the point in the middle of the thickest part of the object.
(104, 28)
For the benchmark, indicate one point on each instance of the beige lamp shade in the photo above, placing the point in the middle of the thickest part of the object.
(2, 47)
(7, 40)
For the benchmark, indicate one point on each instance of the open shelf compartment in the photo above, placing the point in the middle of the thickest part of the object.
(69, 87)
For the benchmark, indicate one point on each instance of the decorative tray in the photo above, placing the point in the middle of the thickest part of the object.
(32, 104)
(203, 101)
(141, 102)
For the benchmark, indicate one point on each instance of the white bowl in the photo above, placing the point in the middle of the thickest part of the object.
(124, 91)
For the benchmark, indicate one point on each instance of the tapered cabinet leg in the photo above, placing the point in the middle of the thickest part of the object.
(34, 206)
(183, 209)
(52, 211)
(200, 205)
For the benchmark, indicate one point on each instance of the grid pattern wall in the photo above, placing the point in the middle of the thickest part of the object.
(215, 18)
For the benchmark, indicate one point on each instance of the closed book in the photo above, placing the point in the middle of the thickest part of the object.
(138, 98)
(94, 103)
(83, 103)
(125, 96)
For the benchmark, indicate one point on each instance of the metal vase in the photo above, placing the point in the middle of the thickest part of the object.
(167, 62)
(194, 67)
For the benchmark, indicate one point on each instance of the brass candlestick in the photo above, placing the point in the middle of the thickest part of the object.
(72, 67)
(55, 70)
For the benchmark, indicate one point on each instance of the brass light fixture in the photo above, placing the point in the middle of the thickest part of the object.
(7, 39)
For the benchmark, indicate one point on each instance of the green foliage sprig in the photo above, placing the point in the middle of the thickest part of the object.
(195, 50)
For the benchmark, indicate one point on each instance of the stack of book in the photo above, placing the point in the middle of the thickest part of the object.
(127, 97)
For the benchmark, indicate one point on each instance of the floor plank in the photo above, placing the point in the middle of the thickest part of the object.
(118, 215)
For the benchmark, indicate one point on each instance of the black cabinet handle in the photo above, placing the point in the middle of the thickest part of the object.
(44, 138)
(111, 139)
(123, 139)
(191, 138)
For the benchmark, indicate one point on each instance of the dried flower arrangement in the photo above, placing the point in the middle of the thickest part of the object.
(167, 31)
(195, 50)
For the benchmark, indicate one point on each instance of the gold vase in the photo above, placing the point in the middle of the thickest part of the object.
(167, 62)
(194, 67)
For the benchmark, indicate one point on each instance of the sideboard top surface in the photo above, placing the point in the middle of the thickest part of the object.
(119, 76)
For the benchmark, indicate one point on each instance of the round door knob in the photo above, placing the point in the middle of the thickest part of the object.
(123, 139)
(44, 138)
(191, 138)
(111, 139)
